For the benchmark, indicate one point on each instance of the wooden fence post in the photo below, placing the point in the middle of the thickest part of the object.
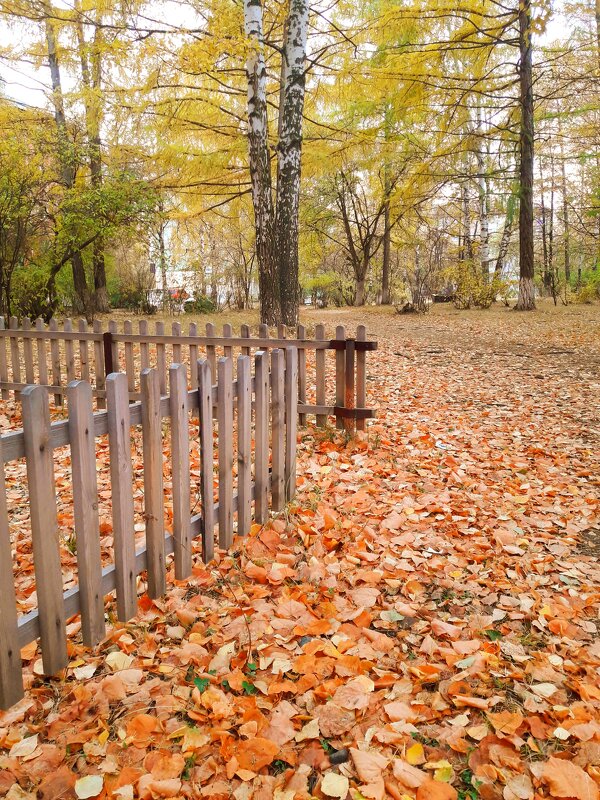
(244, 436)
(176, 349)
(361, 377)
(129, 360)
(340, 383)
(206, 459)
(44, 528)
(291, 420)
(69, 352)
(3, 364)
(11, 679)
(121, 478)
(153, 482)
(301, 333)
(55, 358)
(210, 350)
(114, 347)
(84, 363)
(227, 333)
(261, 436)
(193, 357)
(85, 506)
(99, 364)
(144, 346)
(28, 352)
(180, 461)
(225, 454)
(349, 385)
(277, 430)
(245, 334)
(320, 376)
(15, 356)
(41, 355)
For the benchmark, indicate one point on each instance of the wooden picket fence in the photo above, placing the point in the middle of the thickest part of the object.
(62, 354)
(256, 425)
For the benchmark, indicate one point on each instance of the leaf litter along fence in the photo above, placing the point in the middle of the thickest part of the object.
(256, 423)
(48, 355)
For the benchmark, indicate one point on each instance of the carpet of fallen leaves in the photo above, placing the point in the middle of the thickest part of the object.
(422, 622)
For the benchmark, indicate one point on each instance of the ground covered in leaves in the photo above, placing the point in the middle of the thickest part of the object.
(421, 623)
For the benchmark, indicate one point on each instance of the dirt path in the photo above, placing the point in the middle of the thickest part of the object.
(423, 622)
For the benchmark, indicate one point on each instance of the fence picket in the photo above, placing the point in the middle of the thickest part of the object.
(340, 381)
(245, 334)
(227, 333)
(83, 353)
(11, 680)
(320, 376)
(44, 528)
(301, 333)
(3, 363)
(291, 420)
(261, 436)
(361, 376)
(129, 362)
(349, 401)
(122, 499)
(153, 482)
(99, 364)
(69, 351)
(176, 331)
(144, 347)
(161, 359)
(28, 352)
(85, 505)
(207, 459)
(244, 436)
(277, 430)
(15, 356)
(193, 357)
(180, 460)
(225, 451)
(263, 333)
(210, 350)
(55, 358)
(41, 355)
(114, 346)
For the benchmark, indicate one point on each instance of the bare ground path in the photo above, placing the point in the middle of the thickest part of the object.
(422, 623)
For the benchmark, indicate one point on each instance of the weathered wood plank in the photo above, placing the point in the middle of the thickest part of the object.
(261, 436)
(153, 482)
(301, 333)
(144, 346)
(340, 365)
(84, 364)
(28, 353)
(361, 376)
(193, 357)
(85, 507)
(210, 349)
(41, 355)
(11, 679)
(245, 334)
(55, 358)
(206, 459)
(99, 368)
(161, 360)
(277, 430)
(244, 436)
(122, 493)
(291, 420)
(129, 358)
(180, 465)
(227, 334)
(114, 347)
(225, 451)
(349, 401)
(69, 352)
(3, 362)
(176, 331)
(320, 388)
(15, 356)
(44, 528)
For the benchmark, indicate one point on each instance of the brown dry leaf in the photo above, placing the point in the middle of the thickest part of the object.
(565, 779)
(256, 753)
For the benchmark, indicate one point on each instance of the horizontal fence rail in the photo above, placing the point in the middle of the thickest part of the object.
(247, 457)
(54, 355)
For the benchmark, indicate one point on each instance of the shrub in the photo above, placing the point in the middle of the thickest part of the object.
(201, 304)
(29, 293)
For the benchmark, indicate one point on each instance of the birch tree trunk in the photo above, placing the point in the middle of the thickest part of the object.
(289, 154)
(260, 165)
(484, 228)
(526, 300)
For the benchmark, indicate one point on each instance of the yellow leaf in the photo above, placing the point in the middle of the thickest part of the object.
(415, 754)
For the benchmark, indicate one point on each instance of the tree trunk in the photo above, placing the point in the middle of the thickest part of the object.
(565, 204)
(484, 228)
(546, 278)
(526, 301)
(260, 165)
(506, 234)
(359, 296)
(289, 153)
(68, 168)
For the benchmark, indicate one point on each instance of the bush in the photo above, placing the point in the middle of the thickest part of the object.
(29, 293)
(471, 290)
(134, 299)
(589, 292)
(201, 304)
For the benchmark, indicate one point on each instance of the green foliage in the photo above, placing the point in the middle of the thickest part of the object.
(589, 290)
(29, 292)
(199, 305)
